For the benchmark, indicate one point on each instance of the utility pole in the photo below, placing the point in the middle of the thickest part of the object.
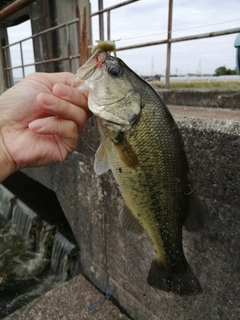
(169, 36)
(152, 68)
(101, 22)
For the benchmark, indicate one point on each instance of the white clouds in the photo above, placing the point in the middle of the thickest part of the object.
(211, 53)
(15, 34)
(149, 18)
(19, 32)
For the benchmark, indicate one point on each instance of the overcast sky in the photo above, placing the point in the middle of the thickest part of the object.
(146, 20)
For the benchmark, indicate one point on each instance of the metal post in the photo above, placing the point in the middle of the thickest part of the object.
(6, 77)
(101, 22)
(85, 29)
(2, 77)
(13, 8)
(22, 62)
(41, 52)
(69, 48)
(169, 36)
(7, 61)
(109, 25)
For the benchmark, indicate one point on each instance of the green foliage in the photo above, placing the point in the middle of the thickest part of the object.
(222, 71)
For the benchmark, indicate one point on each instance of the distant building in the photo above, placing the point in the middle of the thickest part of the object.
(157, 77)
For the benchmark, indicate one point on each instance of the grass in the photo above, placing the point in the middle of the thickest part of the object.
(199, 85)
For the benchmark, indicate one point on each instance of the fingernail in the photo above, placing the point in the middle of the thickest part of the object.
(35, 125)
(49, 100)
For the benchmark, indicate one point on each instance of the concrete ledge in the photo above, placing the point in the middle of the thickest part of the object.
(69, 301)
(229, 99)
(92, 205)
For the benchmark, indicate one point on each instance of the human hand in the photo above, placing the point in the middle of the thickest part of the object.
(40, 120)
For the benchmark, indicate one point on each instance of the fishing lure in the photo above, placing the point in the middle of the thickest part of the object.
(108, 46)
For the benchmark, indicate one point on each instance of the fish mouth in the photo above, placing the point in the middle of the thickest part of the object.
(94, 63)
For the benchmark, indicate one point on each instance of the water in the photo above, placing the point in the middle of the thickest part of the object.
(23, 219)
(61, 255)
(20, 268)
(44, 238)
(34, 257)
(7, 200)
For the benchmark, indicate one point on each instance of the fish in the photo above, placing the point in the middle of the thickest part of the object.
(142, 145)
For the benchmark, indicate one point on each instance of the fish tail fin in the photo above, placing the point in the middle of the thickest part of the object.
(179, 280)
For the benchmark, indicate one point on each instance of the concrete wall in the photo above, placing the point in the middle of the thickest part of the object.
(45, 15)
(92, 204)
(229, 99)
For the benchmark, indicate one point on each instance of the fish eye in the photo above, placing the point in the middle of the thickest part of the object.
(114, 70)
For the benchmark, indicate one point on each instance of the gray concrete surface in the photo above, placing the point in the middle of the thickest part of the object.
(92, 205)
(69, 301)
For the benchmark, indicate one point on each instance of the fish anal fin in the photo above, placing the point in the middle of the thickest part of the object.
(101, 163)
(130, 223)
(178, 279)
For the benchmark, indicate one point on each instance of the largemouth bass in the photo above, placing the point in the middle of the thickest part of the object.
(142, 145)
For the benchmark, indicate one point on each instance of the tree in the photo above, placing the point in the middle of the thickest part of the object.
(222, 71)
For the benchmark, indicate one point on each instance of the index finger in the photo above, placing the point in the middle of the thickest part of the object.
(71, 95)
(61, 77)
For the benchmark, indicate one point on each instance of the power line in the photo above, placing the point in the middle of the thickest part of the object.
(165, 32)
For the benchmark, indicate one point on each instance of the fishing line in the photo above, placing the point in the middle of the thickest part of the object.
(84, 141)
(166, 32)
(103, 299)
(107, 294)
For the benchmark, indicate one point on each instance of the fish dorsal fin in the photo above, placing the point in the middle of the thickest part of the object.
(195, 217)
(130, 223)
(101, 163)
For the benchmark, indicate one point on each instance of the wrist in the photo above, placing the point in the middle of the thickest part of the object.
(7, 165)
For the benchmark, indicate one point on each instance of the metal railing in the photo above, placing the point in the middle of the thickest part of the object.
(169, 40)
(8, 68)
(108, 10)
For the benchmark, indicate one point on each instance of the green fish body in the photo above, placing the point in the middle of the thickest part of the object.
(142, 145)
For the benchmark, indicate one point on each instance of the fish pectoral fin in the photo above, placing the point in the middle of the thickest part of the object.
(130, 223)
(195, 218)
(101, 163)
